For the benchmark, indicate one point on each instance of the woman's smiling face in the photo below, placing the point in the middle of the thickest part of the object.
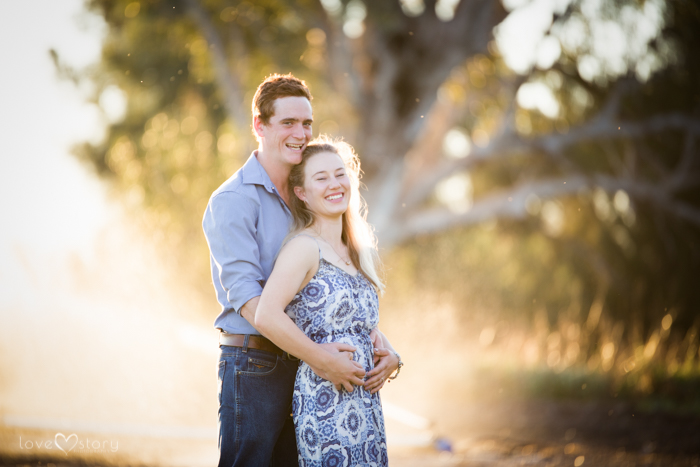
(326, 187)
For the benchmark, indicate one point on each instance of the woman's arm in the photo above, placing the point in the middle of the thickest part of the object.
(295, 266)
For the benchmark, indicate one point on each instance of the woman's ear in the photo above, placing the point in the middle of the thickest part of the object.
(299, 191)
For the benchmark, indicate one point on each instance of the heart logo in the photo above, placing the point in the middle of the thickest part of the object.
(66, 442)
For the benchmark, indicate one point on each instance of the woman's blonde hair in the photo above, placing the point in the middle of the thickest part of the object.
(357, 234)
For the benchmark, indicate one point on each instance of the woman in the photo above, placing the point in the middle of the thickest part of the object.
(326, 280)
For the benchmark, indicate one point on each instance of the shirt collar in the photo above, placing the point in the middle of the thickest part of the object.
(254, 173)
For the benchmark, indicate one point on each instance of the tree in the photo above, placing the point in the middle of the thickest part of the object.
(606, 174)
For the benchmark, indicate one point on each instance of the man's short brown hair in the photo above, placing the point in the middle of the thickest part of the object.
(274, 87)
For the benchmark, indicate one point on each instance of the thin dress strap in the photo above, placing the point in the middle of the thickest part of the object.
(320, 254)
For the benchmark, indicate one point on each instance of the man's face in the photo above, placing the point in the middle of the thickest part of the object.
(285, 137)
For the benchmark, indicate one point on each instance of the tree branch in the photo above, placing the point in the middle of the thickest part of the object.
(386, 196)
(508, 204)
(681, 175)
(340, 56)
(606, 127)
(511, 204)
(228, 82)
(510, 143)
(507, 144)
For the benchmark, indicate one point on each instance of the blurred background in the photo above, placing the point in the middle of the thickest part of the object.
(532, 170)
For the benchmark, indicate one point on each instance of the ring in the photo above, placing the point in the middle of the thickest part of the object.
(382, 379)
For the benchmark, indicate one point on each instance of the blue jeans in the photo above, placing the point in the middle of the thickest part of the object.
(255, 405)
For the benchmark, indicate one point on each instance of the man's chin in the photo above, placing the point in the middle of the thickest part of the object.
(294, 159)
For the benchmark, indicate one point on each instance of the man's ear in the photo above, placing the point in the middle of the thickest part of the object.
(258, 126)
(299, 191)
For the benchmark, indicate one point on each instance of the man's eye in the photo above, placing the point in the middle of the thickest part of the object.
(307, 124)
(321, 179)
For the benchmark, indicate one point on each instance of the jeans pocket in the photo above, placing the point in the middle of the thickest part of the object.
(259, 365)
(220, 378)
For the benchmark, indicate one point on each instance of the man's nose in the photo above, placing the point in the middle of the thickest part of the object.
(298, 131)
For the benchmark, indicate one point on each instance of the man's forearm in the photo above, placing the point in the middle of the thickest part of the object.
(248, 310)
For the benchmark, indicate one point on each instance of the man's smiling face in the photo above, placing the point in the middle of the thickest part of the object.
(285, 137)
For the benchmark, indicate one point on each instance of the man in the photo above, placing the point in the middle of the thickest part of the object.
(245, 223)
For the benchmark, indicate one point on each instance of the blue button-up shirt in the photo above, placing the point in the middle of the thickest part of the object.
(245, 223)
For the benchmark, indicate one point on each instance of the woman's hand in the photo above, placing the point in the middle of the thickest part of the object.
(388, 363)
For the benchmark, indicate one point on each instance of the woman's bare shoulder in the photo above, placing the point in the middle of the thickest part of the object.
(302, 246)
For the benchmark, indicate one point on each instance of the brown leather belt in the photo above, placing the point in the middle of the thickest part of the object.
(254, 342)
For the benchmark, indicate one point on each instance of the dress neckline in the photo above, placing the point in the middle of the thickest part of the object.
(355, 276)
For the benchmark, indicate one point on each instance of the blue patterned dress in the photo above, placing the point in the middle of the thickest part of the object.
(337, 428)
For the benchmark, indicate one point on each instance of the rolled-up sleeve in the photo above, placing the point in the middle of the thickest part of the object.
(230, 228)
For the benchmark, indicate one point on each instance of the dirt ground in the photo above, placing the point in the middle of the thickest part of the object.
(502, 433)
(555, 433)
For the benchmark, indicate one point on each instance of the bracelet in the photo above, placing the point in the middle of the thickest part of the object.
(398, 370)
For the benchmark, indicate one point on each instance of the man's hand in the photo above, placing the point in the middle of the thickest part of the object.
(341, 369)
(388, 363)
(377, 342)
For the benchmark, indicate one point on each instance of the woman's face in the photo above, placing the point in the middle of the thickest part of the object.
(326, 187)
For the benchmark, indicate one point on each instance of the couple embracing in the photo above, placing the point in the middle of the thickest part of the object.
(295, 268)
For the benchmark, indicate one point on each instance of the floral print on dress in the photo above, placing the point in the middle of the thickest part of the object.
(337, 428)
